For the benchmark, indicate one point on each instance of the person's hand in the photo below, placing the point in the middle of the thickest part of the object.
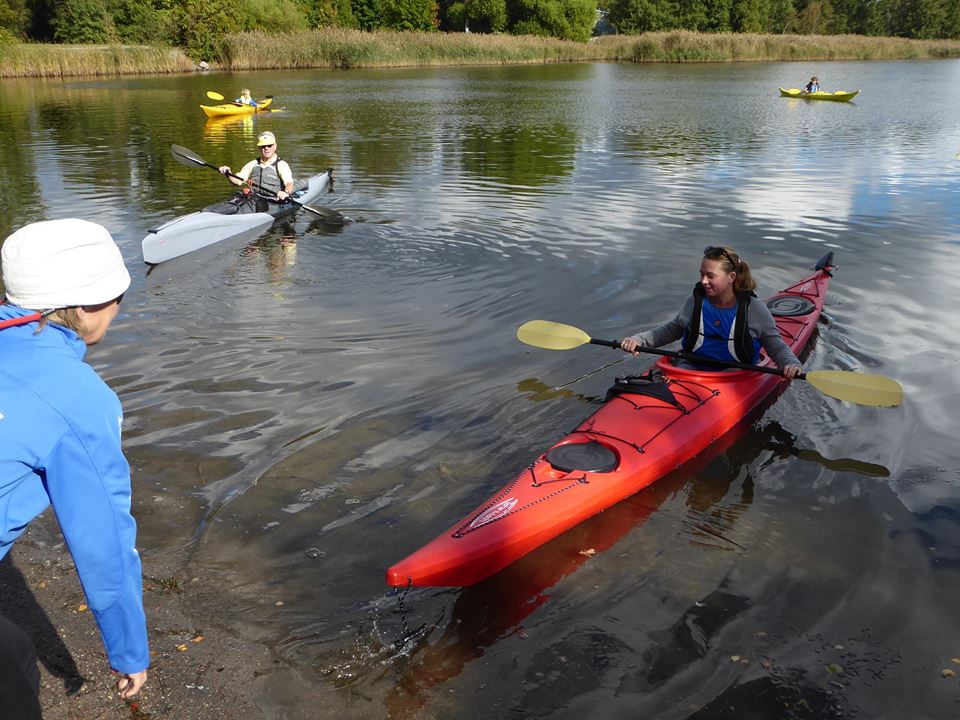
(129, 684)
(791, 371)
(282, 195)
(630, 345)
(224, 169)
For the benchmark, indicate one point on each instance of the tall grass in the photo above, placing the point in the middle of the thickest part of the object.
(685, 46)
(343, 48)
(40, 60)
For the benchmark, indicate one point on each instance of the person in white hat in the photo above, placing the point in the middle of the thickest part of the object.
(60, 438)
(268, 174)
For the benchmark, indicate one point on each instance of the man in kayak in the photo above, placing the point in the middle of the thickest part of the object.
(812, 86)
(722, 319)
(245, 98)
(60, 440)
(268, 174)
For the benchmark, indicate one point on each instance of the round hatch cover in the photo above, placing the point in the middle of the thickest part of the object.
(590, 457)
(790, 306)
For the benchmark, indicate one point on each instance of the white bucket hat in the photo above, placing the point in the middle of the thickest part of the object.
(62, 263)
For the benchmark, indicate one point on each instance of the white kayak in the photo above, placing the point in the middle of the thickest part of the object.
(223, 220)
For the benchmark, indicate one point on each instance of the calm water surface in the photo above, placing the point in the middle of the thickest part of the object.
(307, 405)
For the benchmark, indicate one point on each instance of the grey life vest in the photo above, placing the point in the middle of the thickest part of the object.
(266, 179)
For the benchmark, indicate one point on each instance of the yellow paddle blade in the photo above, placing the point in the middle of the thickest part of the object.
(214, 95)
(859, 388)
(551, 335)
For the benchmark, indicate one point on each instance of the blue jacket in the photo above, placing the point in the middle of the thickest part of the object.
(60, 446)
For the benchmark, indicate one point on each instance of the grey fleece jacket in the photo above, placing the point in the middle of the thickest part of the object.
(759, 322)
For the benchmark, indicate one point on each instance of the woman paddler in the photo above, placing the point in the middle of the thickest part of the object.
(722, 319)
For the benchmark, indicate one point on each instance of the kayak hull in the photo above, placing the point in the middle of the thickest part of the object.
(837, 96)
(235, 109)
(646, 436)
(200, 229)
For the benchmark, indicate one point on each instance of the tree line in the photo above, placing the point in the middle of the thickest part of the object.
(201, 25)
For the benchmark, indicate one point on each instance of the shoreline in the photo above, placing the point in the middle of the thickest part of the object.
(337, 48)
(198, 669)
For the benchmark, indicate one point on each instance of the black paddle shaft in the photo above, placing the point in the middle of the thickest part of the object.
(690, 357)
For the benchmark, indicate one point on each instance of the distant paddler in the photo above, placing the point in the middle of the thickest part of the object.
(245, 98)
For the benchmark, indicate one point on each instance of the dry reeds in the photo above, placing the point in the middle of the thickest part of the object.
(41, 60)
(343, 48)
(685, 46)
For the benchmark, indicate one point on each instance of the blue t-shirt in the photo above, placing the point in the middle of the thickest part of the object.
(716, 331)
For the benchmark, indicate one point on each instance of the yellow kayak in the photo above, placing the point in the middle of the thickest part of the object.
(837, 96)
(235, 108)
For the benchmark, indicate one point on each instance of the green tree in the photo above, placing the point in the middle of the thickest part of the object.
(923, 19)
(565, 19)
(326, 13)
(479, 15)
(815, 18)
(637, 16)
(718, 15)
(409, 14)
(781, 16)
(749, 16)
(203, 26)
(141, 21)
(81, 21)
(14, 17)
(273, 16)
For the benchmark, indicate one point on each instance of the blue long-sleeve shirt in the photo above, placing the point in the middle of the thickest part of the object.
(60, 446)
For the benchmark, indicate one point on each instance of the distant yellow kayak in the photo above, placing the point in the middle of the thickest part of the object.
(235, 108)
(837, 96)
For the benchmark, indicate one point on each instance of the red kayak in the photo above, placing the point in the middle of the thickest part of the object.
(649, 426)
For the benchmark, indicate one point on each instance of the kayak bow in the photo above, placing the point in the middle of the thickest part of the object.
(646, 429)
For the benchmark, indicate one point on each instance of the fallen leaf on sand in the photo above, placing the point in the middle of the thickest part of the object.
(181, 648)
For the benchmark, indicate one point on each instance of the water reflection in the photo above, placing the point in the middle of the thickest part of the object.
(230, 128)
(355, 390)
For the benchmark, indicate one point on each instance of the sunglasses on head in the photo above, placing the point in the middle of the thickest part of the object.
(714, 253)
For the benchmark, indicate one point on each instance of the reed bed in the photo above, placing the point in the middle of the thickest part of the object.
(341, 48)
(344, 48)
(42, 60)
(684, 46)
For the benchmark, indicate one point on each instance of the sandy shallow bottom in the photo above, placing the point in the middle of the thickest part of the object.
(198, 670)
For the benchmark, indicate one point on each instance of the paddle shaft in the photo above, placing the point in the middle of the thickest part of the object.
(696, 358)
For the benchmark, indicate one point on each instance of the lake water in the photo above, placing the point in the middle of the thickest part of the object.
(308, 405)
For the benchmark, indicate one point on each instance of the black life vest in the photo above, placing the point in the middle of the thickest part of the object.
(742, 342)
